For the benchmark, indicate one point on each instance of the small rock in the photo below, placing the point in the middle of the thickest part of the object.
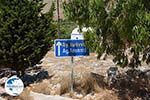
(50, 85)
(2, 91)
(66, 95)
(78, 95)
(52, 92)
(87, 97)
(3, 80)
(56, 89)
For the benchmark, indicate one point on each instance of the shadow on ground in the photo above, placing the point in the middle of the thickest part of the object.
(36, 77)
(133, 84)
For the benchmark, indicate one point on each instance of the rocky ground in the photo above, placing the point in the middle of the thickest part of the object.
(89, 80)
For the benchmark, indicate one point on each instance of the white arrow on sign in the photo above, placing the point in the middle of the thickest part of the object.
(58, 44)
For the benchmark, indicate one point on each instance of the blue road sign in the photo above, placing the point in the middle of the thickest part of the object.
(68, 47)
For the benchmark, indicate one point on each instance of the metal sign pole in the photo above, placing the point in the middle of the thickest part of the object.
(72, 79)
(70, 48)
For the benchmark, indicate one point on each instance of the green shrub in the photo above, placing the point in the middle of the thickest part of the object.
(25, 33)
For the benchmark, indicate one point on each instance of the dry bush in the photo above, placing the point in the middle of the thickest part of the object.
(65, 85)
(84, 83)
(89, 83)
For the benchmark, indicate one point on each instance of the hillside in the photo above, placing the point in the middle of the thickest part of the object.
(54, 80)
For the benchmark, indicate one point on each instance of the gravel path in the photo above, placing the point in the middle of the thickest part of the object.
(38, 96)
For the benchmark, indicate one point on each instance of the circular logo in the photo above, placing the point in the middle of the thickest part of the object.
(14, 86)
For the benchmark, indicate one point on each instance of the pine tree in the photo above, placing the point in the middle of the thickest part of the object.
(25, 33)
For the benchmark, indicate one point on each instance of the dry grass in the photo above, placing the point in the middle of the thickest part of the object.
(42, 87)
(88, 83)
(25, 95)
(65, 84)
(84, 83)
(106, 95)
